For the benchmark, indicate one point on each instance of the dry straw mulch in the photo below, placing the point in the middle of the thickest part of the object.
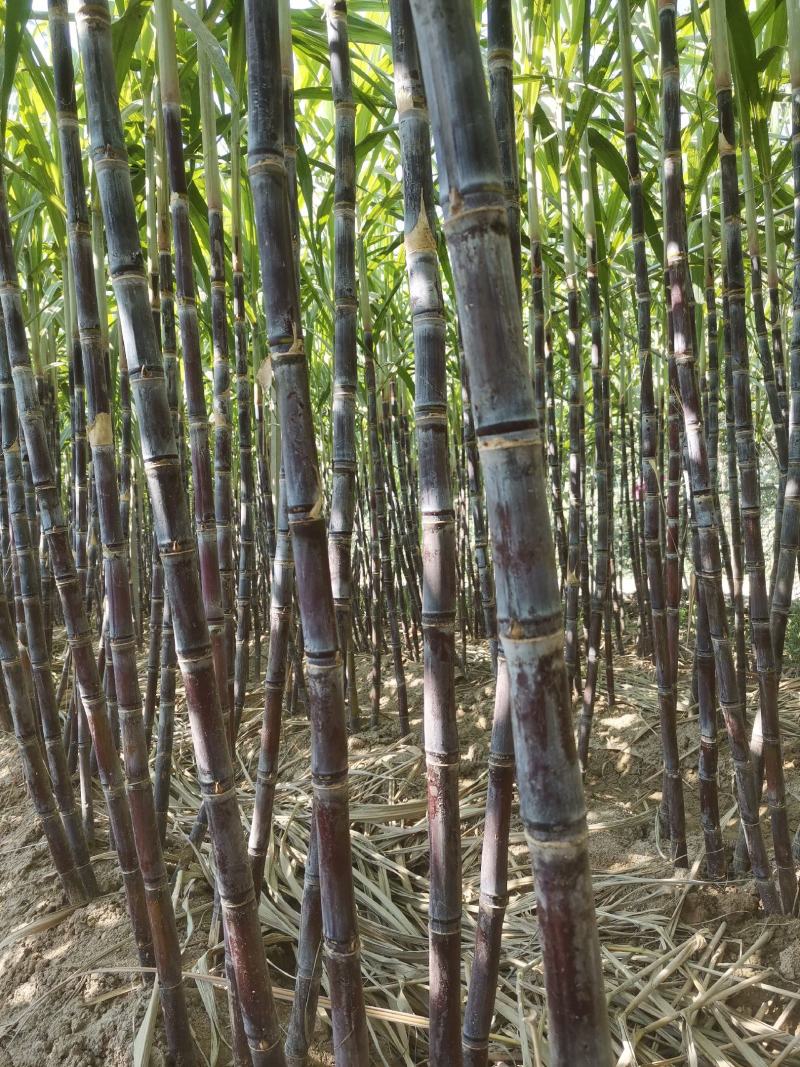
(694, 974)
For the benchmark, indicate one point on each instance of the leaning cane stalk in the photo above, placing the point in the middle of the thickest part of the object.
(79, 633)
(197, 415)
(126, 441)
(42, 782)
(34, 768)
(528, 602)
(300, 1031)
(121, 636)
(30, 591)
(175, 538)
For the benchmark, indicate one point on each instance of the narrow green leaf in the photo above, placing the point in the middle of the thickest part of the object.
(125, 33)
(17, 14)
(210, 46)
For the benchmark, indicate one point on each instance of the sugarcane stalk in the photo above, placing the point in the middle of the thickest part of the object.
(600, 591)
(175, 538)
(378, 488)
(5, 537)
(375, 642)
(194, 392)
(221, 406)
(672, 568)
(244, 590)
(773, 290)
(405, 515)
(300, 1031)
(573, 579)
(78, 633)
(345, 362)
(262, 463)
(500, 62)
(790, 527)
(737, 566)
(749, 483)
(479, 533)
(709, 572)
(280, 619)
(135, 561)
(706, 695)
(554, 451)
(34, 768)
(673, 786)
(79, 444)
(438, 539)
(154, 645)
(494, 878)
(121, 665)
(304, 501)
(35, 635)
(162, 769)
(613, 610)
(790, 532)
(540, 351)
(404, 560)
(763, 341)
(712, 378)
(528, 602)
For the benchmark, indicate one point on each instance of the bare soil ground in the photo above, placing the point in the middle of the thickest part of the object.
(694, 973)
